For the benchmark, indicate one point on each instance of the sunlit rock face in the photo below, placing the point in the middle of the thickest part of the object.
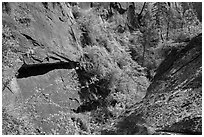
(47, 90)
(39, 70)
(45, 31)
(48, 95)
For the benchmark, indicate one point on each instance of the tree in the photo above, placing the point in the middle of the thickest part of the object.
(162, 15)
(198, 8)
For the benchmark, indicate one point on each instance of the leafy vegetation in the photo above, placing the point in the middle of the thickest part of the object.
(118, 53)
(120, 58)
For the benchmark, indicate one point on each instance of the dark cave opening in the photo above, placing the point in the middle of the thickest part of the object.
(40, 69)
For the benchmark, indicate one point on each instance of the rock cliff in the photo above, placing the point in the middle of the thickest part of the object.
(67, 71)
(50, 75)
(173, 103)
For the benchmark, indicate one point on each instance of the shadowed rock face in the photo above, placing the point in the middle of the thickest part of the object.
(178, 104)
(42, 87)
(173, 104)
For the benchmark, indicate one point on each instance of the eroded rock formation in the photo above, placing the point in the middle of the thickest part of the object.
(55, 72)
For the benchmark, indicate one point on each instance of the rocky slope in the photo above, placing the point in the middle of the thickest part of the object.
(40, 51)
(65, 71)
(50, 75)
(173, 103)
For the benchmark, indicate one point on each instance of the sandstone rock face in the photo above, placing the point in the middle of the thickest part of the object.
(173, 104)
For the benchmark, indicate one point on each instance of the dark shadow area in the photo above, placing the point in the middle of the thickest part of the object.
(134, 124)
(176, 54)
(94, 95)
(40, 69)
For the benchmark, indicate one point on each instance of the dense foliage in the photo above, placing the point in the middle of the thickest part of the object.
(113, 50)
(121, 50)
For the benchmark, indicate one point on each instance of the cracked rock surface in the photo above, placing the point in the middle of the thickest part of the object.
(38, 74)
(53, 83)
(173, 103)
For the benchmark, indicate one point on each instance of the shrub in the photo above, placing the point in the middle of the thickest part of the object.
(181, 37)
(96, 61)
(92, 27)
